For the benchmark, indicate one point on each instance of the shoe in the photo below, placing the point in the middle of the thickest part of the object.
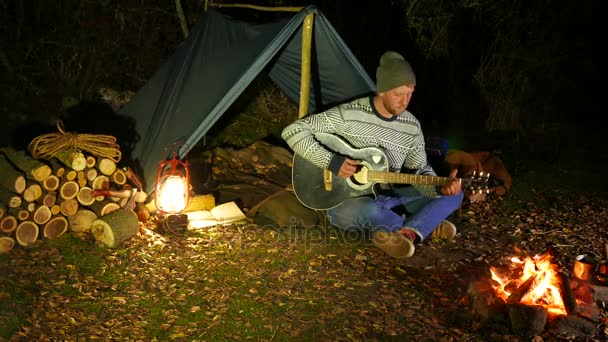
(395, 244)
(445, 230)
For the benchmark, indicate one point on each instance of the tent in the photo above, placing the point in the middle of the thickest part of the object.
(217, 62)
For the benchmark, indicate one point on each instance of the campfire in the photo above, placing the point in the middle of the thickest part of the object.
(531, 281)
(534, 296)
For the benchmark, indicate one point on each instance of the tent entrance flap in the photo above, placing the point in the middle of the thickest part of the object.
(191, 91)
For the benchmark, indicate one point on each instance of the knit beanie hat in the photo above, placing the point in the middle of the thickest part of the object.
(393, 71)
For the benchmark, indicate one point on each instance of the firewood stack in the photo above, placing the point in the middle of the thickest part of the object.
(72, 190)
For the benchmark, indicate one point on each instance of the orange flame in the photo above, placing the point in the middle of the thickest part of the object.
(544, 290)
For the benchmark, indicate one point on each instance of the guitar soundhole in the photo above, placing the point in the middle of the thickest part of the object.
(360, 179)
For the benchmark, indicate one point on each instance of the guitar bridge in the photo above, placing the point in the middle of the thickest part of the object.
(327, 179)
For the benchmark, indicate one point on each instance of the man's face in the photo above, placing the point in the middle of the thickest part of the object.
(396, 100)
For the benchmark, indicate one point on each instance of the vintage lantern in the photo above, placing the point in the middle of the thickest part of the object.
(172, 182)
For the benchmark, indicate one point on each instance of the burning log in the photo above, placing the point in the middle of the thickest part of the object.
(522, 290)
(566, 293)
(116, 227)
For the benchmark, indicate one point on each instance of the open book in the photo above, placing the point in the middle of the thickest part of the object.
(222, 214)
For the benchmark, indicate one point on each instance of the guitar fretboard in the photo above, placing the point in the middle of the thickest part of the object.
(404, 178)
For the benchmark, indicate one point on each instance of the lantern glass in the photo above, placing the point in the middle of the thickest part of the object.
(173, 190)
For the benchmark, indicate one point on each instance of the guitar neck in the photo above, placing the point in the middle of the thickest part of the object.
(404, 178)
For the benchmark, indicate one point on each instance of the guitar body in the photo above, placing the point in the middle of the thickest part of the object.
(308, 179)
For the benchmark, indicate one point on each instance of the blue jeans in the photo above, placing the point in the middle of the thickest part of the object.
(423, 213)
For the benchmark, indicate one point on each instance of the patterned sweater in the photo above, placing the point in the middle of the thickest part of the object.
(361, 125)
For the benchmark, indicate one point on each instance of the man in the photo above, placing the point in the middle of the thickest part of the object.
(382, 121)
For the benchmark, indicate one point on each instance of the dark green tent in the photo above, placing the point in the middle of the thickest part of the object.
(217, 62)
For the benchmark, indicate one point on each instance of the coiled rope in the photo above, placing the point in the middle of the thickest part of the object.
(47, 146)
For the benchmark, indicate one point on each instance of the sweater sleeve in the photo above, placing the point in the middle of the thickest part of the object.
(300, 136)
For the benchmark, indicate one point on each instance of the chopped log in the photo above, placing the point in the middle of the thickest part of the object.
(101, 182)
(106, 166)
(51, 183)
(140, 196)
(91, 161)
(70, 175)
(82, 182)
(23, 215)
(32, 168)
(2, 210)
(10, 198)
(49, 199)
(563, 284)
(73, 159)
(15, 202)
(59, 172)
(6, 244)
(91, 174)
(119, 177)
(10, 178)
(104, 207)
(31, 207)
(42, 215)
(82, 220)
(56, 227)
(69, 190)
(55, 209)
(32, 193)
(8, 224)
(522, 290)
(116, 227)
(527, 320)
(86, 196)
(27, 233)
(69, 207)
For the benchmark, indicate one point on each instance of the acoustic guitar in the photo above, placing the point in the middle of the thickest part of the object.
(318, 188)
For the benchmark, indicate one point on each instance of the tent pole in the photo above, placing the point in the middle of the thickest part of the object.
(305, 71)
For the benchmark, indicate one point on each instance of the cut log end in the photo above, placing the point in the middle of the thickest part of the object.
(56, 227)
(8, 224)
(116, 227)
(27, 233)
(6, 244)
